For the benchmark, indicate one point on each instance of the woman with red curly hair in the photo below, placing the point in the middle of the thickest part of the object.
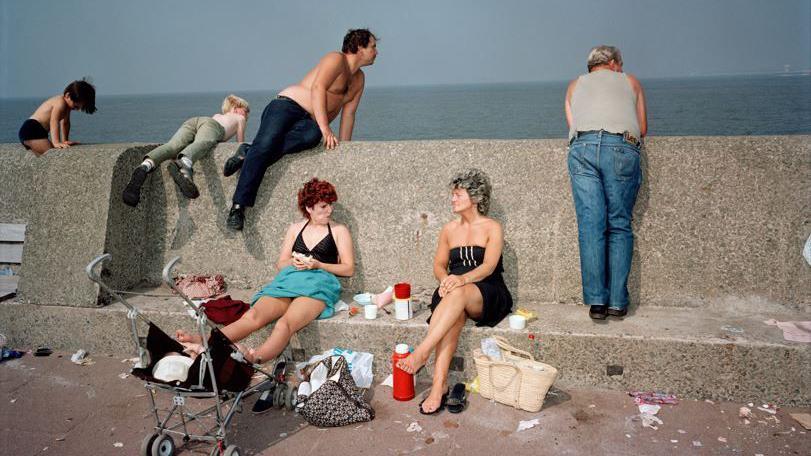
(315, 250)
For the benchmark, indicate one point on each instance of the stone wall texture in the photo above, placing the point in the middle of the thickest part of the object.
(720, 221)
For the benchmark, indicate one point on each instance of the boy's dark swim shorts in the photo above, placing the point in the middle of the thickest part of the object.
(32, 129)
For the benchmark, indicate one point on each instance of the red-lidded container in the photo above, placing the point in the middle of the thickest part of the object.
(403, 384)
(402, 291)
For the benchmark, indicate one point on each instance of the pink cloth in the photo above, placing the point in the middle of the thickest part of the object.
(795, 331)
(202, 286)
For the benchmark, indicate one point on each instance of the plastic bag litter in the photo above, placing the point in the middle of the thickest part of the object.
(490, 348)
(359, 363)
(807, 250)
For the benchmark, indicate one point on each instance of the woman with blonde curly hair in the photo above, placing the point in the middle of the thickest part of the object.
(468, 266)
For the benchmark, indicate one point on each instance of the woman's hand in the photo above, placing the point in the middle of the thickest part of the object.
(305, 263)
(450, 283)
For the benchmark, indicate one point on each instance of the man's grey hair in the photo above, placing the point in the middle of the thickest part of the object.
(477, 185)
(603, 54)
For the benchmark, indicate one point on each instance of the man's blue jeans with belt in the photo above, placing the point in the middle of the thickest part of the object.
(605, 173)
(285, 128)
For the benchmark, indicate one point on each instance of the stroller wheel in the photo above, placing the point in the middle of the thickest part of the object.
(279, 394)
(290, 397)
(163, 446)
(232, 450)
(146, 445)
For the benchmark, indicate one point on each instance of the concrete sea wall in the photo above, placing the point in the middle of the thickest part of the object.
(720, 221)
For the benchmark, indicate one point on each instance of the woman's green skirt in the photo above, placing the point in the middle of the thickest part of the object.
(314, 283)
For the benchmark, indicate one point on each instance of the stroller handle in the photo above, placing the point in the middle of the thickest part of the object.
(91, 267)
(167, 271)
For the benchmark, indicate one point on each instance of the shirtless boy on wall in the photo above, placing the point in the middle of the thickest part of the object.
(299, 117)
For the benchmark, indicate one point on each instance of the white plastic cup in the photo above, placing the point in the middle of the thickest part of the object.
(518, 321)
(370, 311)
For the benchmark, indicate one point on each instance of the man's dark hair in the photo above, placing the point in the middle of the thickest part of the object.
(82, 92)
(356, 38)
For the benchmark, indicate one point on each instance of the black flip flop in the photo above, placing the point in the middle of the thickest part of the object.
(442, 403)
(43, 351)
(457, 400)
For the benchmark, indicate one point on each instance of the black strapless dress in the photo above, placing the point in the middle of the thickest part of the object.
(498, 302)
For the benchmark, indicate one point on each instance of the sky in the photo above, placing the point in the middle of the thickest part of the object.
(180, 46)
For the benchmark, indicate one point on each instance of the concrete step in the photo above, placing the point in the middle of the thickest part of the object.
(695, 353)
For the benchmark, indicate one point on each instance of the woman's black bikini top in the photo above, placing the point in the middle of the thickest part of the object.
(325, 251)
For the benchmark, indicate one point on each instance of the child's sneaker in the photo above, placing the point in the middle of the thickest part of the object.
(183, 177)
(234, 163)
(132, 192)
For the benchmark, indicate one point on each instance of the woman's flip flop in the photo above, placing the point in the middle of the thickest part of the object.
(442, 403)
(457, 400)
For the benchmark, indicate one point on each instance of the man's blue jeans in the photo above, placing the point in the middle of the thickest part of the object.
(285, 128)
(605, 175)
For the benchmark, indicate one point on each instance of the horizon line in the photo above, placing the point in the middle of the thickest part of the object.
(805, 72)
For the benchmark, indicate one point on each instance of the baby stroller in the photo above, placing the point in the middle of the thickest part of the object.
(219, 372)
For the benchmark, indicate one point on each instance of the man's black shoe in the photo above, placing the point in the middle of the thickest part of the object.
(264, 403)
(132, 192)
(236, 218)
(184, 179)
(234, 163)
(617, 312)
(597, 312)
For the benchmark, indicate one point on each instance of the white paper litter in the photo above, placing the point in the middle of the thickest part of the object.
(123, 375)
(388, 381)
(529, 424)
(81, 358)
(118, 444)
(696, 443)
(341, 306)
(414, 427)
(647, 413)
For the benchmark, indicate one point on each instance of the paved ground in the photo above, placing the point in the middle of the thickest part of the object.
(51, 406)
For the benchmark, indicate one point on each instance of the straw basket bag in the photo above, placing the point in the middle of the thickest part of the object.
(517, 380)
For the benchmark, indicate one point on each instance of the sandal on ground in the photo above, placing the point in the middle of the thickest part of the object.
(442, 403)
(457, 400)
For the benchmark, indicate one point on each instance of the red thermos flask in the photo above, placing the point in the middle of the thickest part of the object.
(403, 387)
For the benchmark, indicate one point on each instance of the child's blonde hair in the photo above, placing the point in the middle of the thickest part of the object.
(232, 101)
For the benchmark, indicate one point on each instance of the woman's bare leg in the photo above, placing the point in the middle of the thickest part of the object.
(266, 310)
(464, 300)
(442, 363)
(299, 314)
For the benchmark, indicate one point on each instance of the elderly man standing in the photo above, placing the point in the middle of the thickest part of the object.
(605, 110)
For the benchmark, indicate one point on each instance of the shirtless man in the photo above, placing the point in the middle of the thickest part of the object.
(300, 115)
(54, 115)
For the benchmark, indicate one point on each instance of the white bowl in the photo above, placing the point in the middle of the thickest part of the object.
(363, 298)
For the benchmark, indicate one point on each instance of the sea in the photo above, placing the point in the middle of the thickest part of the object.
(694, 106)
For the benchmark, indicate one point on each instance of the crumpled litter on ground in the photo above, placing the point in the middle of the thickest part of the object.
(80, 358)
(653, 397)
(414, 427)
(528, 424)
(768, 408)
(647, 413)
(745, 412)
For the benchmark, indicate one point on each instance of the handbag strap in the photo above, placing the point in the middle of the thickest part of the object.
(518, 374)
(503, 344)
